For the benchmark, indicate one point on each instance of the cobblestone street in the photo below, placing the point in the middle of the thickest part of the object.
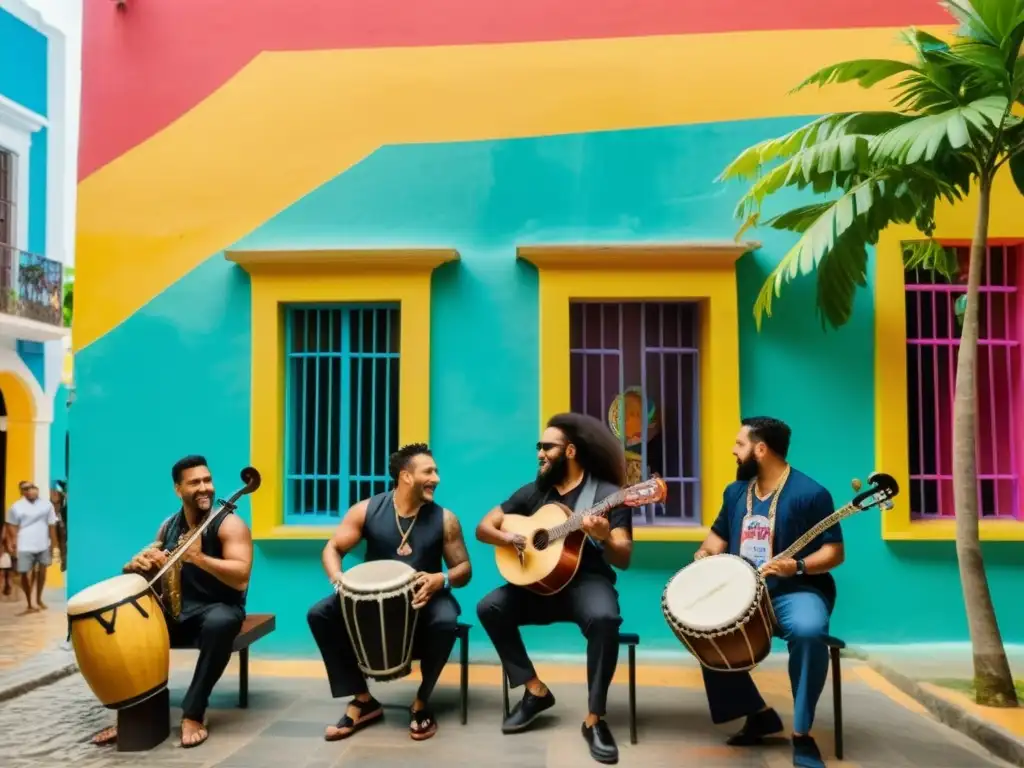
(51, 726)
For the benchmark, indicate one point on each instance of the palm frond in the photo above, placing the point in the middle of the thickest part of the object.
(866, 72)
(931, 255)
(921, 139)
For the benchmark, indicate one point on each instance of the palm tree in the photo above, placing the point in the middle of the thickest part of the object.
(952, 125)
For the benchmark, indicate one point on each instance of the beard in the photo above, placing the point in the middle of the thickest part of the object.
(556, 472)
(747, 469)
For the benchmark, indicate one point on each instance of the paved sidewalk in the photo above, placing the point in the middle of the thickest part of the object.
(51, 726)
(32, 646)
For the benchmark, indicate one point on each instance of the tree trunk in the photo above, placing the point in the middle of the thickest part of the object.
(992, 679)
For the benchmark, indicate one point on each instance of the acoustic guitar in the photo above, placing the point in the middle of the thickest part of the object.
(555, 539)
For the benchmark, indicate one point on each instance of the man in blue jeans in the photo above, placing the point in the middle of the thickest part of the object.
(765, 511)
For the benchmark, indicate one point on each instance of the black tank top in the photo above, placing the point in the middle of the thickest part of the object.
(380, 531)
(200, 589)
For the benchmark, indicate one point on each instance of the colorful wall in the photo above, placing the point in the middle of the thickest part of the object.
(449, 126)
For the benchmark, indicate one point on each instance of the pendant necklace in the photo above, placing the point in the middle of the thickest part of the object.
(404, 550)
(771, 508)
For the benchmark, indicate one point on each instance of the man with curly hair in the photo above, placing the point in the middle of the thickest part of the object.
(580, 463)
(406, 525)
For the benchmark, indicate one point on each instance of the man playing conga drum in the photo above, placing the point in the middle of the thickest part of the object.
(408, 526)
(766, 510)
(208, 603)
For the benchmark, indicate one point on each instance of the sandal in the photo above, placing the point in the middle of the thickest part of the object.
(370, 712)
(106, 736)
(201, 731)
(423, 724)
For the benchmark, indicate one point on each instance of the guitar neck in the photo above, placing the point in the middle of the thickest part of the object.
(816, 530)
(574, 522)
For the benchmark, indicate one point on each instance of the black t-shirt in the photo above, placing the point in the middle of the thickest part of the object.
(530, 498)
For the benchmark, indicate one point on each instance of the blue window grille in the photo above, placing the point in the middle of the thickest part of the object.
(341, 407)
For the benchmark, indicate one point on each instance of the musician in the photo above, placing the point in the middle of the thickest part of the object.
(214, 577)
(406, 525)
(767, 509)
(574, 451)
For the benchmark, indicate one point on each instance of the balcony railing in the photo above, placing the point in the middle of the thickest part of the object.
(31, 286)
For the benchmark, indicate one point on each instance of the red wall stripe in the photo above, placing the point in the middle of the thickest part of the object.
(146, 65)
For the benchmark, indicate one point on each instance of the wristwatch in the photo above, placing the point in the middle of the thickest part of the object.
(801, 569)
(446, 585)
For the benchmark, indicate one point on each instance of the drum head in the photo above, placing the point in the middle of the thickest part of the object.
(712, 593)
(377, 576)
(106, 593)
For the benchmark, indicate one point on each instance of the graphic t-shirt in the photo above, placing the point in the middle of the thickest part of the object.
(802, 504)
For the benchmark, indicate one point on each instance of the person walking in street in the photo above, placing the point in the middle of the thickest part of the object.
(32, 533)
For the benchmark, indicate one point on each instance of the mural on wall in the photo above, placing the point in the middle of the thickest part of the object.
(340, 125)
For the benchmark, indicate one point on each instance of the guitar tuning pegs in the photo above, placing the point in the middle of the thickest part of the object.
(857, 484)
(887, 504)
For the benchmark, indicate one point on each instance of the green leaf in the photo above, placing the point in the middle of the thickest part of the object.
(867, 72)
(931, 255)
(1016, 164)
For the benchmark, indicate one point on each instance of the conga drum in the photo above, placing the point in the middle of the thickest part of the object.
(376, 602)
(719, 608)
(120, 639)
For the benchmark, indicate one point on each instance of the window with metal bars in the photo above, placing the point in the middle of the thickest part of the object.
(341, 414)
(933, 309)
(636, 367)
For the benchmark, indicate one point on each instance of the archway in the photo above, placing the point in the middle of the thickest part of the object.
(29, 415)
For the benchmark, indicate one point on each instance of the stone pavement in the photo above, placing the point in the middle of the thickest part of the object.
(32, 647)
(284, 725)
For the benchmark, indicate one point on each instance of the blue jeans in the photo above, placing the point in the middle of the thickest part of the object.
(803, 618)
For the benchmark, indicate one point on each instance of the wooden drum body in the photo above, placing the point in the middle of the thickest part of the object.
(120, 639)
(719, 608)
(376, 603)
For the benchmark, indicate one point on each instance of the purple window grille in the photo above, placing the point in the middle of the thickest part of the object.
(933, 339)
(647, 350)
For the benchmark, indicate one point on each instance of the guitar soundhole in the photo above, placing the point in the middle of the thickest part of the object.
(540, 540)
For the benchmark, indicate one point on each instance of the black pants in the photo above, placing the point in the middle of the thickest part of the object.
(214, 630)
(589, 601)
(431, 645)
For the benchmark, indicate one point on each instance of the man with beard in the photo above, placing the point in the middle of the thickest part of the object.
(578, 457)
(406, 525)
(214, 574)
(769, 507)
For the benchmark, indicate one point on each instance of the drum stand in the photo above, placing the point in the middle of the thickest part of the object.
(145, 725)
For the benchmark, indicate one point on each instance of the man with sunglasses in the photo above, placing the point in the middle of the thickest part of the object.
(578, 455)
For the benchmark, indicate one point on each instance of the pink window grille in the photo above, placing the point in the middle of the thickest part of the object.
(649, 351)
(933, 339)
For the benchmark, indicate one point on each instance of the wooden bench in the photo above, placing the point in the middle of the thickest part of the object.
(835, 647)
(255, 627)
(628, 639)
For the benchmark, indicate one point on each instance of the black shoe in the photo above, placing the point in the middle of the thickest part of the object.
(806, 753)
(758, 725)
(526, 711)
(601, 742)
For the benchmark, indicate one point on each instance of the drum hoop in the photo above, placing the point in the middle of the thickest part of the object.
(710, 634)
(379, 595)
(109, 607)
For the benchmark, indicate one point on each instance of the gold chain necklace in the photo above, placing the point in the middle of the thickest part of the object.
(771, 509)
(404, 549)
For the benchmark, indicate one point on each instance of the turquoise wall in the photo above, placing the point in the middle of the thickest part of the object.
(484, 198)
(58, 467)
(23, 63)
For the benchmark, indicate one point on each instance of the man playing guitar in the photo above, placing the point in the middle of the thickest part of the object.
(572, 449)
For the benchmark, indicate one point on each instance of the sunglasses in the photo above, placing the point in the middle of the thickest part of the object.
(548, 446)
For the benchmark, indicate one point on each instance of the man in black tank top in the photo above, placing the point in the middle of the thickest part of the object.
(573, 451)
(214, 578)
(404, 525)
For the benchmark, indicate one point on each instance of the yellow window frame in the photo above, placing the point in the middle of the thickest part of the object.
(892, 439)
(281, 277)
(704, 272)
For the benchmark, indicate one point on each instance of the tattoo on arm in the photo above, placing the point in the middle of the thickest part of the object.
(454, 545)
